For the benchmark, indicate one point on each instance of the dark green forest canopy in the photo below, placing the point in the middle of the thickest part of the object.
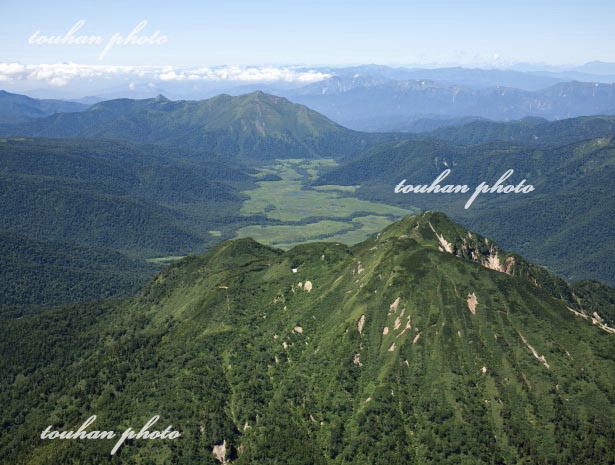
(81, 216)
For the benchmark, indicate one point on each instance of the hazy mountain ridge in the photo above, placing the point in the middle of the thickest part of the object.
(16, 108)
(404, 101)
(146, 85)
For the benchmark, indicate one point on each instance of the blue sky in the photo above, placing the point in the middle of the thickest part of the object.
(205, 33)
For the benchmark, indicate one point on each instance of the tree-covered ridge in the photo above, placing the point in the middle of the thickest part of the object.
(80, 217)
(254, 126)
(130, 197)
(392, 104)
(411, 347)
(565, 223)
(20, 108)
(528, 131)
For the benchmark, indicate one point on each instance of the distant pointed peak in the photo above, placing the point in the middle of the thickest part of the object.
(161, 98)
(260, 95)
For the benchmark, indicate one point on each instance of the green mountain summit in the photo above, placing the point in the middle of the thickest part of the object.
(254, 126)
(424, 344)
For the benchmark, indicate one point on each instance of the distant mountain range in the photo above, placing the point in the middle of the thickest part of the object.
(254, 126)
(345, 79)
(528, 77)
(425, 344)
(16, 108)
(394, 105)
(367, 98)
(147, 83)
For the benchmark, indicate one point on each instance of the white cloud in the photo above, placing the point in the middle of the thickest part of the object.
(60, 74)
(235, 73)
(58, 81)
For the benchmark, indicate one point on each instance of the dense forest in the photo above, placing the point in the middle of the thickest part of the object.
(394, 351)
(564, 224)
(80, 217)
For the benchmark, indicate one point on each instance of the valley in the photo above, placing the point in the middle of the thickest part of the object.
(243, 268)
(133, 177)
(307, 233)
(305, 214)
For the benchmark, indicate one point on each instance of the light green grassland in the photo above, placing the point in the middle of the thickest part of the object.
(332, 187)
(365, 227)
(165, 260)
(321, 213)
(294, 234)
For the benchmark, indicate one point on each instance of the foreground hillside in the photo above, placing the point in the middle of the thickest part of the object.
(424, 344)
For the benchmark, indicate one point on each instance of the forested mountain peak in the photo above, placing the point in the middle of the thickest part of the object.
(406, 348)
(255, 125)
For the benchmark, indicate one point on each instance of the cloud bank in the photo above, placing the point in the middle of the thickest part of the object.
(61, 74)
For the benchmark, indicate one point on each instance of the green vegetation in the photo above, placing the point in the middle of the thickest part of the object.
(106, 189)
(356, 230)
(564, 224)
(306, 214)
(597, 297)
(81, 217)
(532, 131)
(249, 127)
(284, 236)
(141, 203)
(336, 188)
(169, 259)
(51, 273)
(396, 352)
(143, 200)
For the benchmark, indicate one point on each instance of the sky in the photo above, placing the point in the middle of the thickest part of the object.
(316, 32)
